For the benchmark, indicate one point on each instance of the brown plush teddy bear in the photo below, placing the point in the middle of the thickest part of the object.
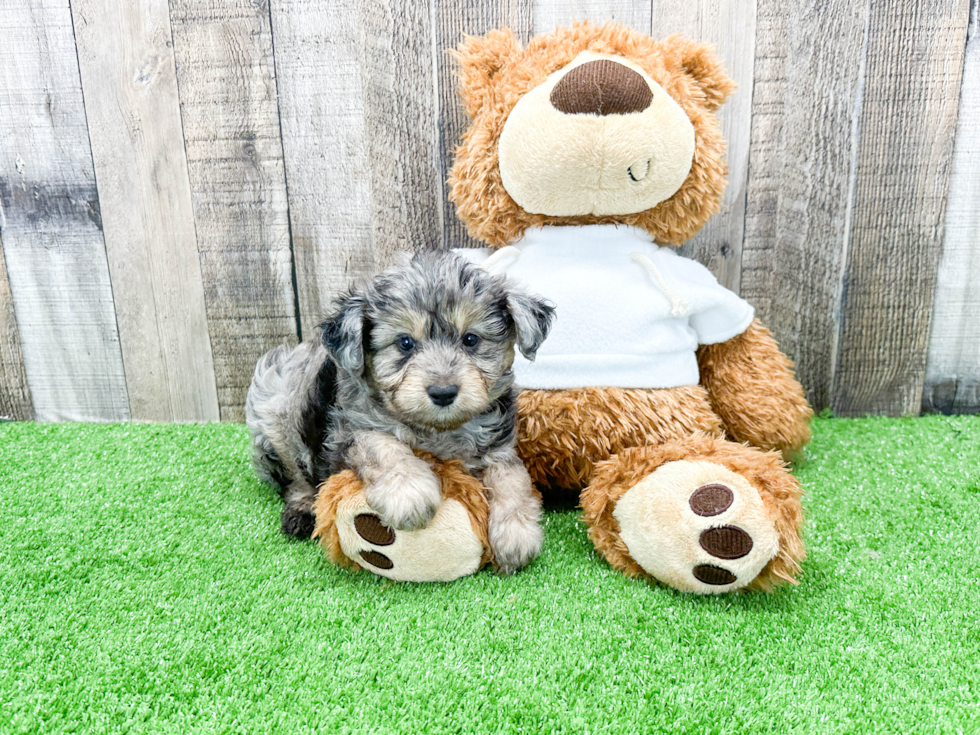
(657, 396)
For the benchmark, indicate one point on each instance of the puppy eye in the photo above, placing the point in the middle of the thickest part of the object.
(470, 340)
(405, 343)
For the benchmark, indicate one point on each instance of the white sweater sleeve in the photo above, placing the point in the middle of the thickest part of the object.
(724, 321)
(716, 314)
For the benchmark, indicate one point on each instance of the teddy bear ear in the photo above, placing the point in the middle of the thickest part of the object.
(480, 59)
(699, 61)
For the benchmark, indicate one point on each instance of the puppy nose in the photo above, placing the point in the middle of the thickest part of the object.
(601, 87)
(443, 395)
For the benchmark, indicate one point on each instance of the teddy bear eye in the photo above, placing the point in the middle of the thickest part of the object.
(405, 343)
(470, 340)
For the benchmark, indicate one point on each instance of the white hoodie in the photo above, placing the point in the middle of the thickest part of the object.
(629, 313)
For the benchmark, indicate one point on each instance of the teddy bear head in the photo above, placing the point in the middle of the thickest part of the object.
(589, 125)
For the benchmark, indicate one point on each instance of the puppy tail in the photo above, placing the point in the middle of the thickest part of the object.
(262, 418)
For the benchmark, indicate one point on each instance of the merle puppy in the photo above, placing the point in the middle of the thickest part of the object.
(420, 358)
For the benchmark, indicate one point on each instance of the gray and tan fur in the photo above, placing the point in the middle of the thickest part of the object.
(419, 358)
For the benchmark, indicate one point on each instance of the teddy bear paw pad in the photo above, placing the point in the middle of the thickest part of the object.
(370, 528)
(446, 549)
(697, 526)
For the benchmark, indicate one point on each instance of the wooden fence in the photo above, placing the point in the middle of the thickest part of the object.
(185, 185)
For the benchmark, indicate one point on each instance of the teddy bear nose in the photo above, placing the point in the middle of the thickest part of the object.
(602, 87)
(443, 395)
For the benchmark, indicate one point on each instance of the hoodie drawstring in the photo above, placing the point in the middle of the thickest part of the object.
(678, 306)
(500, 255)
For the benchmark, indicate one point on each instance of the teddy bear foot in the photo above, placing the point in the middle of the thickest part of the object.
(444, 550)
(453, 544)
(697, 526)
(701, 515)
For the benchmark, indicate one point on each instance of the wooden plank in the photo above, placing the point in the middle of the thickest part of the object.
(453, 20)
(953, 365)
(125, 54)
(15, 396)
(328, 177)
(806, 92)
(548, 14)
(50, 222)
(227, 84)
(731, 26)
(397, 52)
(907, 123)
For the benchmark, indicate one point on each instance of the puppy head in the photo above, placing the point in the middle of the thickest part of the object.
(433, 338)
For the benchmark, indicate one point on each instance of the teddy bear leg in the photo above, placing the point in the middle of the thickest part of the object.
(701, 515)
(454, 543)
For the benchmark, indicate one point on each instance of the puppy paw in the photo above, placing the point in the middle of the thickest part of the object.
(407, 498)
(515, 540)
(297, 522)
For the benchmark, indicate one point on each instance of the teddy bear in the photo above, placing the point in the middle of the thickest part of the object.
(659, 398)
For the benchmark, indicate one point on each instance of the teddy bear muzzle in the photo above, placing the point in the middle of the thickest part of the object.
(598, 137)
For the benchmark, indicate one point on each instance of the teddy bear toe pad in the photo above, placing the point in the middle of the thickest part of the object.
(697, 526)
(444, 550)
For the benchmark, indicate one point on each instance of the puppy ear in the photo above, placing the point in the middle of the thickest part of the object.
(343, 334)
(480, 59)
(702, 65)
(532, 320)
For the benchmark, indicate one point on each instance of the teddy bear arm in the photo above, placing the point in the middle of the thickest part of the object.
(751, 386)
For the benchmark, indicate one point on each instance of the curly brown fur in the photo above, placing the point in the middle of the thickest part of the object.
(751, 386)
(329, 496)
(457, 484)
(494, 73)
(779, 490)
(563, 433)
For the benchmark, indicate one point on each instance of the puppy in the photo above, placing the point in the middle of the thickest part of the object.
(420, 358)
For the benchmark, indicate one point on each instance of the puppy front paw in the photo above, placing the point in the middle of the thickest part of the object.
(406, 498)
(515, 540)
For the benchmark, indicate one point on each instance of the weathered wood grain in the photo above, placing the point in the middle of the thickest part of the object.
(126, 59)
(806, 92)
(548, 14)
(50, 223)
(840, 151)
(328, 177)
(455, 19)
(227, 85)
(15, 396)
(397, 53)
(953, 366)
(907, 121)
(730, 25)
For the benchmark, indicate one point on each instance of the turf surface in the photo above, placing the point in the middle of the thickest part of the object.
(144, 587)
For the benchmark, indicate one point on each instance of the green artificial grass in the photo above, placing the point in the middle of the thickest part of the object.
(145, 587)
